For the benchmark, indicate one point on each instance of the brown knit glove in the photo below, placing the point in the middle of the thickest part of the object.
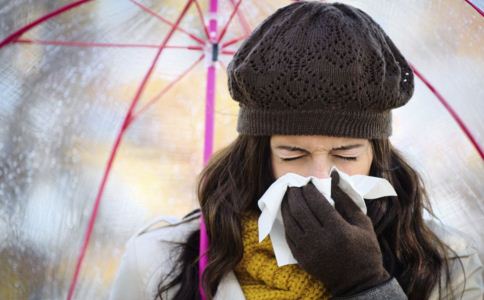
(337, 246)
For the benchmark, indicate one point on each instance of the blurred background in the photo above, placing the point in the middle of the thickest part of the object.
(63, 100)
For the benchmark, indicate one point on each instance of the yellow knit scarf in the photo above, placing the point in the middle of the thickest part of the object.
(261, 278)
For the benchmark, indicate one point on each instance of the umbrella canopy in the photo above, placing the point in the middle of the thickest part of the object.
(108, 110)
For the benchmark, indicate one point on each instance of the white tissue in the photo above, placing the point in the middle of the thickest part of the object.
(271, 223)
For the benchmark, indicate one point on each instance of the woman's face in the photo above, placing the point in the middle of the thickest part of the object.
(314, 155)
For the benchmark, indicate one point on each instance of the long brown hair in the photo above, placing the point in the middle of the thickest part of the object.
(238, 175)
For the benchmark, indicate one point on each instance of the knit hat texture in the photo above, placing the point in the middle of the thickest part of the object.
(316, 68)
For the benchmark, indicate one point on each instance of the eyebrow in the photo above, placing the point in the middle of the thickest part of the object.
(294, 148)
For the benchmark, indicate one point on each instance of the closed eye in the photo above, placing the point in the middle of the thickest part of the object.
(340, 157)
(346, 157)
(290, 158)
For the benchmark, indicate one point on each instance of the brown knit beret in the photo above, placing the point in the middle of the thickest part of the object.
(315, 68)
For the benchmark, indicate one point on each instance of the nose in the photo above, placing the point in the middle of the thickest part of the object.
(320, 168)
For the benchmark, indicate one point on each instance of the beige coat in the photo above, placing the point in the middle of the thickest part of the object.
(148, 256)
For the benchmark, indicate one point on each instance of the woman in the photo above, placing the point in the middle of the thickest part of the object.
(316, 83)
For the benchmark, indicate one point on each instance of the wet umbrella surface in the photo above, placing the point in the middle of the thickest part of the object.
(109, 110)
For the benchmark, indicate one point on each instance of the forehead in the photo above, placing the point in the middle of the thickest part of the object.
(311, 141)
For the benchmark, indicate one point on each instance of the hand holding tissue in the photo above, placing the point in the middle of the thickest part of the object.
(328, 243)
(270, 220)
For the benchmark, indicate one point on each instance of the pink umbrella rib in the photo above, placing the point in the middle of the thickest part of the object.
(158, 16)
(95, 44)
(112, 156)
(228, 52)
(224, 28)
(475, 7)
(167, 88)
(243, 20)
(202, 19)
(40, 20)
(233, 41)
(452, 112)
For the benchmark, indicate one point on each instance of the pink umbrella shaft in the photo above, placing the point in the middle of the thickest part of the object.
(204, 244)
(209, 114)
(208, 146)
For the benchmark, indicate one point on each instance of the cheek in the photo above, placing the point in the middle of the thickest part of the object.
(360, 167)
(277, 167)
(366, 164)
(280, 168)
(353, 168)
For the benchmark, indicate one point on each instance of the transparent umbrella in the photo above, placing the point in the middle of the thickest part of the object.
(109, 109)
